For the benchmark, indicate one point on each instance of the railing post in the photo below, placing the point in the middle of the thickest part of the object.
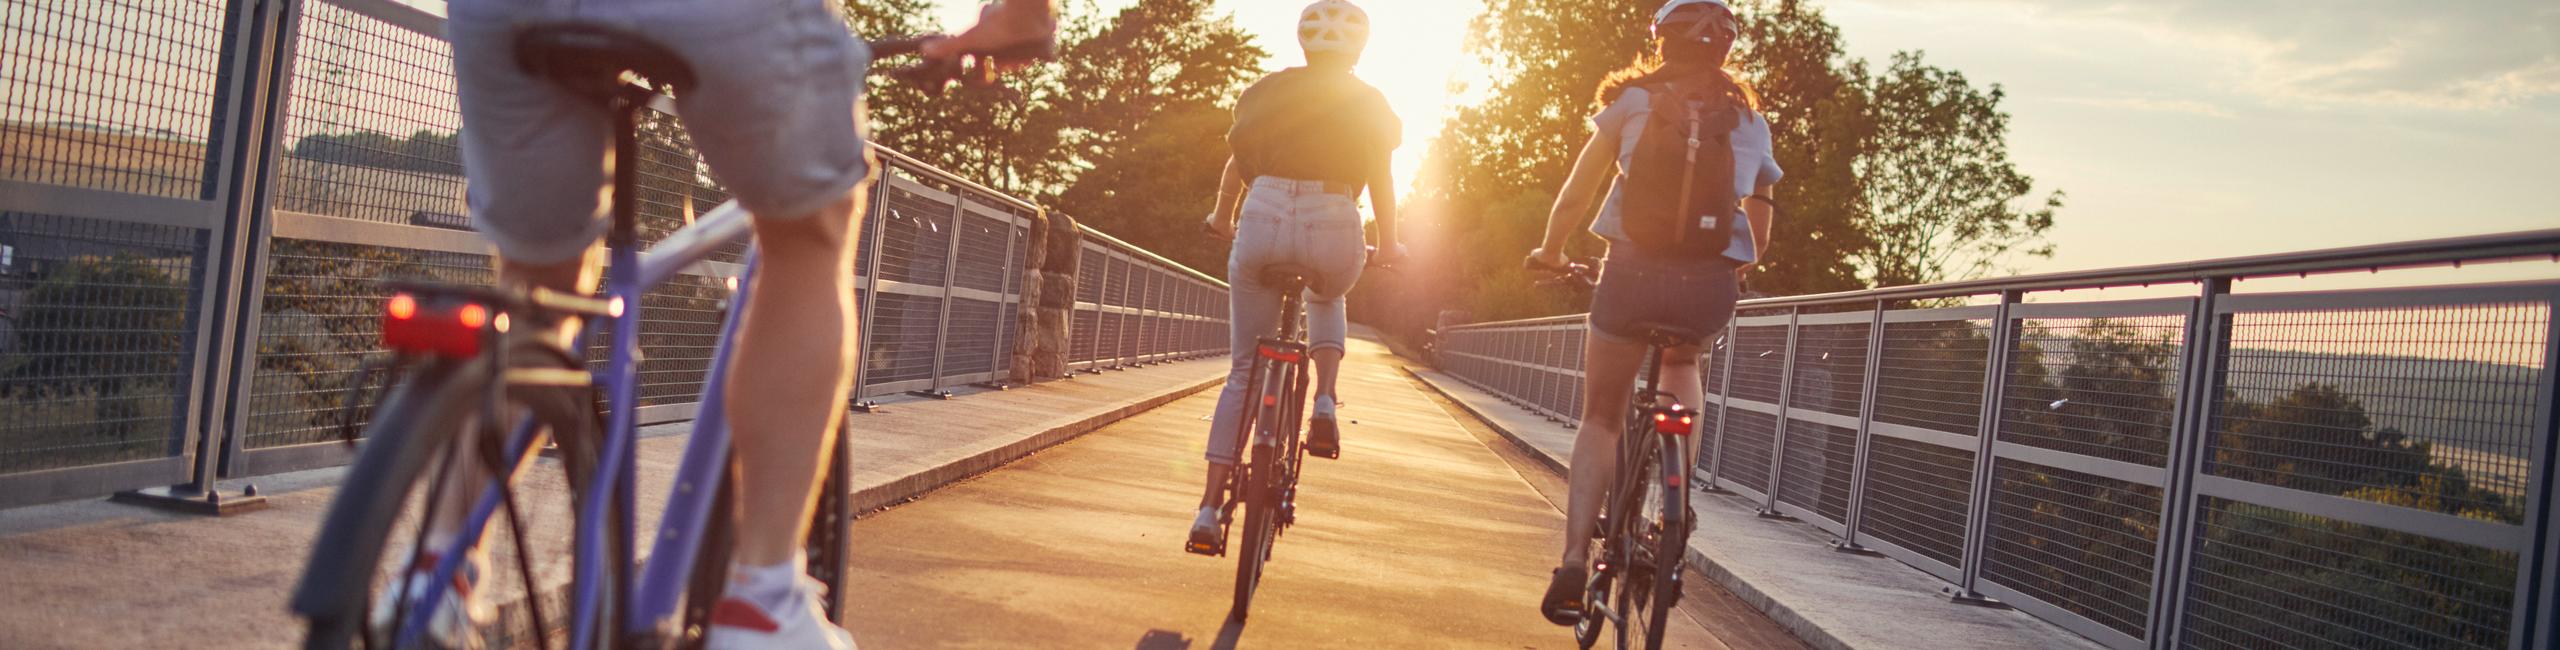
(253, 84)
(1008, 301)
(1778, 433)
(872, 217)
(950, 279)
(1977, 521)
(2199, 384)
(1857, 510)
(1724, 409)
(2537, 618)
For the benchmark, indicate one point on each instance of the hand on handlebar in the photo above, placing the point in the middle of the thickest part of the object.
(1003, 40)
(1561, 271)
(1389, 257)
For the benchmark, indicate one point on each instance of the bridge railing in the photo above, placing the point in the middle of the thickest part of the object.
(2352, 468)
(199, 199)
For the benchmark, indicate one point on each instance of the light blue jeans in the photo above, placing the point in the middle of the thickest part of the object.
(1284, 222)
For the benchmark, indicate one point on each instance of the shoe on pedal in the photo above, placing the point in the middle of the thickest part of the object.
(1324, 438)
(794, 620)
(458, 617)
(1563, 602)
(1207, 537)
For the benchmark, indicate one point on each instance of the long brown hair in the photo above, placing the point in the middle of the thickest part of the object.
(1652, 66)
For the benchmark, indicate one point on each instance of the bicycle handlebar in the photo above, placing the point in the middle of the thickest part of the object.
(970, 69)
(1572, 274)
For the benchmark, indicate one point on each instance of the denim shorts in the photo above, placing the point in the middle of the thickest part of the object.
(1696, 295)
(776, 112)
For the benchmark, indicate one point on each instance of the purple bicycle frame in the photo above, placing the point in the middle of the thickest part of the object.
(706, 455)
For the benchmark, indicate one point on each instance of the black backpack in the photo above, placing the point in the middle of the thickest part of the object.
(1677, 196)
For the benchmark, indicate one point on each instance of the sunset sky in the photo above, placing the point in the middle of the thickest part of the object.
(2180, 129)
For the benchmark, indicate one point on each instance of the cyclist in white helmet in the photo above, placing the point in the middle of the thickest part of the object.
(1306, 141)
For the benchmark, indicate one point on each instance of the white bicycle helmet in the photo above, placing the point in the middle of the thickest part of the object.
(1333, 26)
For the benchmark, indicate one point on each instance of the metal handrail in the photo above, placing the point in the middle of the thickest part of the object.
(2525, 244)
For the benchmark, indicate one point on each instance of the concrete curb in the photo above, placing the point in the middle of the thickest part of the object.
(870, 499)
(1805, 630)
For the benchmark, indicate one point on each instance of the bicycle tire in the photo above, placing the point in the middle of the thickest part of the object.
(416, 421)
(333, 594)
(1261, 487)
(1656, 545)
(831, 529)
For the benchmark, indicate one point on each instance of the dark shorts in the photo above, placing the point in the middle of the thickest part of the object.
(1696, 295)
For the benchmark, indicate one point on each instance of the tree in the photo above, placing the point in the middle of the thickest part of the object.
(1142, 115)
(1939, 182)
(1816, 100)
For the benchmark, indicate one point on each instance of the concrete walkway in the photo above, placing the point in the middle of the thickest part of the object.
(103, 575)
(1422, 536)
(1788, 570)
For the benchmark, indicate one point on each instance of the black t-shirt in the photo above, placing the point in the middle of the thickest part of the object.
(1312, 124)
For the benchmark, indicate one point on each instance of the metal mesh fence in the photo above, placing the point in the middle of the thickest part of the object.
(1931, 375)
(1748, 439)
(96, 335)
(2080, 542)
(1916, 494)
(370, 128)
(1818, 468)
(2421, 407)
(2097, 387)
(2265, 577)
(319, 322)
(112, 95)
(1830, 368)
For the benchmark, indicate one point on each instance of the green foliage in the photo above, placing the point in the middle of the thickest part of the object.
(101, 344)
(1940, 188)
(424, 151)
(1125, 131)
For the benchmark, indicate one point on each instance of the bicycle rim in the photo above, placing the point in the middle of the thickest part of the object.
(1256, 547)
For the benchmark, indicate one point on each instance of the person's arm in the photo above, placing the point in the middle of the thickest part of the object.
(1003, 24)
(1222, 214)
(1762, 209)
(1572, 211)
(1382, 202)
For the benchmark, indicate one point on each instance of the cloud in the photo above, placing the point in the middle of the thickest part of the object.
(2152, 105)
(2459, 55)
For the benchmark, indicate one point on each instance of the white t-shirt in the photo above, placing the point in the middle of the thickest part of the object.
(1755, 166)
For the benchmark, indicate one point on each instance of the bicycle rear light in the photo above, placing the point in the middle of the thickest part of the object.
(442, 328)
(1678, 422)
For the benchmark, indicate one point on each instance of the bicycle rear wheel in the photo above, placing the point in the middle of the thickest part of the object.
(1657, 542)
(375, 530)
(1261, 476)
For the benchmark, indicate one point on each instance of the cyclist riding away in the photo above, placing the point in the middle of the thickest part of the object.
(1309, 139)
(1677, 239)
(777, 112)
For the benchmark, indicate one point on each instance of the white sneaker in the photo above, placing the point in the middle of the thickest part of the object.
(738, 624)
(458, 618)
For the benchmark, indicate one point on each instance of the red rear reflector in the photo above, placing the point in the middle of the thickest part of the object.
(1288, 356)
(451, 331)
(1270, 400)
(1665, 424)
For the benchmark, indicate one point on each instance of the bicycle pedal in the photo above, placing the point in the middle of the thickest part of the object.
(1211, 550)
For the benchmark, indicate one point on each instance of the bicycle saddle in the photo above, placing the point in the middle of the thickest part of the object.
(1667, 335)
(589, 59)
(1286, 277)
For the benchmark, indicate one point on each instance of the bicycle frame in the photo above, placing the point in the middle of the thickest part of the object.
(654, 599)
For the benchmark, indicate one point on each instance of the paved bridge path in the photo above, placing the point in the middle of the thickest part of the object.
(1429, 532)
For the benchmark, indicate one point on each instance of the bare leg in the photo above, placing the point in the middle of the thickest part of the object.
(462, 486)
(1680, 377)
(1609, 371)
(1217, 484)
(794, 363)
(1328, 366)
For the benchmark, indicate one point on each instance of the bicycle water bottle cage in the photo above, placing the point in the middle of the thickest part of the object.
(1674, 421)
(592, 59)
